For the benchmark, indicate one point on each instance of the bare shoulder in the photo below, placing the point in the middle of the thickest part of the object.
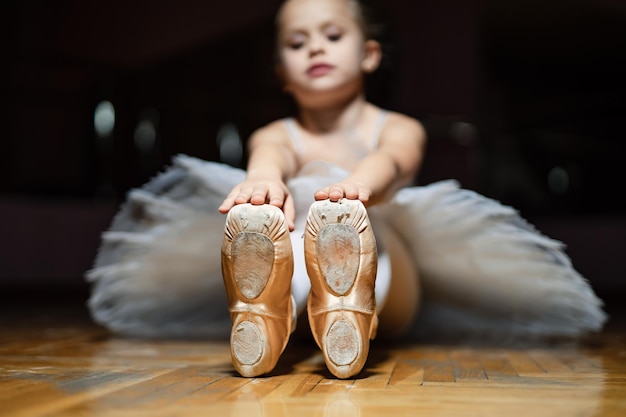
(400, 127)
(274, 132)
(398, 123)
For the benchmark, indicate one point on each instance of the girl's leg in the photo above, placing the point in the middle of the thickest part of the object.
(397, 283)
(300, 283)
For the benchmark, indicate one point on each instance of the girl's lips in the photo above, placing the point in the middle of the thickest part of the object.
(318, 70)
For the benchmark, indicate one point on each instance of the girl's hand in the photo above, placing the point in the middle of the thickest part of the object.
(349, 190)
(258, 192)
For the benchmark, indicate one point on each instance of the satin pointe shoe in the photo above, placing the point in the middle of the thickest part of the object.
(257, 266)
(341, 260)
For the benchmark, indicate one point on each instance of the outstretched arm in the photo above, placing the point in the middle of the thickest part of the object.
(393, 165)
(271, 162)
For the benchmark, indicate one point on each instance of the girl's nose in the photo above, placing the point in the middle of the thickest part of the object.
(316, 46)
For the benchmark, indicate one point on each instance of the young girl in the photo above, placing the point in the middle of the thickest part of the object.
(322, 219)
(324, 56)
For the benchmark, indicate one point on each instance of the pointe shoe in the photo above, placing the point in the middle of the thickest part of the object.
(341, 261)
(257, 266)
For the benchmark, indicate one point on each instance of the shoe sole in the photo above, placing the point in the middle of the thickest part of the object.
(338, 250)
(252, 253)
(252, 256)
(339, 260)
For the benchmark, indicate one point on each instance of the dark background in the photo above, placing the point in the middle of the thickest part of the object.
(522, 101)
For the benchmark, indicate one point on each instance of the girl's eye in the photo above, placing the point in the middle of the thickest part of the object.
(334, 37)
(333, 33)
(295, 41)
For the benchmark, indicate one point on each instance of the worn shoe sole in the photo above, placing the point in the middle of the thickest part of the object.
(257, 266)
(341, 258)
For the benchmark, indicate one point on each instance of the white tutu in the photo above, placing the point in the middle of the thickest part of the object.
(483, 270)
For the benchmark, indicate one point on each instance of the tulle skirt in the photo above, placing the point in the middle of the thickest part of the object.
(482, 270)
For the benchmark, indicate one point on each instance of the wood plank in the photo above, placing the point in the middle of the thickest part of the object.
(498, 368)
(438, 367)
(376, 376)
(257, 389)
(549, 361)
(523, 363)
(49, 397)
(212, 392)
(331, 386)
(467, 366)
(297, 385)
(163, 389)
(406, 374)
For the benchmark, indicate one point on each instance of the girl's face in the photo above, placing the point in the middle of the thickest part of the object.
(321, 46)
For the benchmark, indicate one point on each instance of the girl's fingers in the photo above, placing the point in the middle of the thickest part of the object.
(226, 206)
(321, 194)
(229, 201)
(336, 192)
(364, 196)
(259, 194)
(276, 196)
(242, 195)
(351, 192)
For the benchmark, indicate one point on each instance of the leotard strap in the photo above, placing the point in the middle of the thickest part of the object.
(378, 128)
(293, 135)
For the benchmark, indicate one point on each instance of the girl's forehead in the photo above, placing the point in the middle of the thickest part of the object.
(302, 13)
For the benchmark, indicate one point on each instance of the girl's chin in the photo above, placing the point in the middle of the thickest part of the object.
(326, 87)
(320, 84)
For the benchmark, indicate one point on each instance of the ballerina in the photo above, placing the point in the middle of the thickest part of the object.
(428, 261)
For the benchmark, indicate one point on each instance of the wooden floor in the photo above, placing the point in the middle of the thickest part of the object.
(55, 364)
